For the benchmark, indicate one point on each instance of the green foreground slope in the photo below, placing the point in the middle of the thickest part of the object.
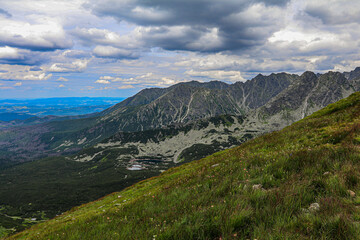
(316, 160)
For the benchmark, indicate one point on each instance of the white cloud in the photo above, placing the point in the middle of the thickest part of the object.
(148, 79)
(101, 81)
(44, 34)
(62, 79)
(61, 86)
(16, 72)
(126, 87)
(18, 84)
(230, 76)
(78, 65)
(41, 76)
(9, 52)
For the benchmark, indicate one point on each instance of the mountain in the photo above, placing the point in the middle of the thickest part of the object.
(301, 183)
(149, 109)
(304, 96)
(157, 108)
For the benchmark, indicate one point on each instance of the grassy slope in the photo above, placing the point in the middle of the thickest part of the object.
(213, 198)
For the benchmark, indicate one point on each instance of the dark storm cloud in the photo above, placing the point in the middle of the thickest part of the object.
(5, 13)
(191, 25)
(175, 12)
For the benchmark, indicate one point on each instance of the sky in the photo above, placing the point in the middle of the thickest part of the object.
(115, 48)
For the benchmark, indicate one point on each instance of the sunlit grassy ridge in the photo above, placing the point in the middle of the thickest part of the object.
(316, 160)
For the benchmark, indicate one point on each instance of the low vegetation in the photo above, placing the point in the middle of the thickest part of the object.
(298, 183)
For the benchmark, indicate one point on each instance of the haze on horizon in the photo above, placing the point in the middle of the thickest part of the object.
(114, 48)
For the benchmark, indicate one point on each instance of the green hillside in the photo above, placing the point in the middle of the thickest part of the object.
(309, 175)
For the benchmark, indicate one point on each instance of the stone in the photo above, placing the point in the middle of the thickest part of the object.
(314, 207)
(351, 193)
(257, 187)
(326, 173)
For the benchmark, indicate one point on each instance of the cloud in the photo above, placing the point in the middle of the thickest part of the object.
(36, 69)
(191, 25)
(41, 76)
(62, 79)
(9, 53)
(102, 81)
(231, 76)
(333, 12)
(78, 65)
(91, 36)
(126, 87)
(76, 54)
(5, 13)
(18, 84)
(44, 35)
(61, 86)
(144, 80)
(15, 56)
(175, 12)
(112, 52)
(26, 76)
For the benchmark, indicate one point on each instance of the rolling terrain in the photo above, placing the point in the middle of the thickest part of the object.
(298, 183)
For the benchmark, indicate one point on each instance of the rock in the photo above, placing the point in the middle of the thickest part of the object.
(215, 165)
(314, 207)
(326, 173)
(351, 193)
(256, 186)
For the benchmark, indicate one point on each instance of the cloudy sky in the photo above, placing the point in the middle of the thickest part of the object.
(110, 48)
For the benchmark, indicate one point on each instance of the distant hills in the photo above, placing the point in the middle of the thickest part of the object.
(20, 109)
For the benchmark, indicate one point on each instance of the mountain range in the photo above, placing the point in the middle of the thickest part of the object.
(282, 97)
(146, 134)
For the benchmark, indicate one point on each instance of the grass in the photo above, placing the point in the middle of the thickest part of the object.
(316, 160)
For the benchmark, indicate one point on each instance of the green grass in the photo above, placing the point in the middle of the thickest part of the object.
(314, 160)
